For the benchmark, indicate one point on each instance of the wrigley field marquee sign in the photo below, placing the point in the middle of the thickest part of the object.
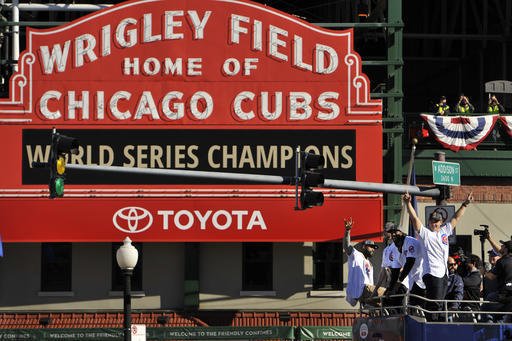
(205, 85)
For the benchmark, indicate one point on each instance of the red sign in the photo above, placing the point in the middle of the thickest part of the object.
(181, 219)
(215, 85)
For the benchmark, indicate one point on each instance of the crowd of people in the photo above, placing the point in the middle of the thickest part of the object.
(422, 265)
(465, 107)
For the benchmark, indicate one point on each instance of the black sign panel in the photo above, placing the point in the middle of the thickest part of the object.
(269, 152)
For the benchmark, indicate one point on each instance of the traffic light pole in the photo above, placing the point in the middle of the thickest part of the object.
(242, 177)
(381, 187)
(267, 179)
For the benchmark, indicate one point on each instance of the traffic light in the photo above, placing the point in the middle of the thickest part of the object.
(310, 177)
(444, 192)
(60, 147)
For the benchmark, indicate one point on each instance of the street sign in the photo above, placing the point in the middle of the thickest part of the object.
(446, 173)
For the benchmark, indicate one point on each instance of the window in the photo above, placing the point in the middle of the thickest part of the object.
(257, 267)
(117, 273)
(56, 267)
(327, 266)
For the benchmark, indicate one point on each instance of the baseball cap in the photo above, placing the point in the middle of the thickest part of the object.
(390, 227)
(370, 243)
(493, 253)
(435, 216)
(508, 244)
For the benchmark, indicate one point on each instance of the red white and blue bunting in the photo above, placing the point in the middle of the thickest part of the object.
(460, 132)
(507, 122)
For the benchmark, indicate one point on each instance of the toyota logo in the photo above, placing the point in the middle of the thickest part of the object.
(132, 219)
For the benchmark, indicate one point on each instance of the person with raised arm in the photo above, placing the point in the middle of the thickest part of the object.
(434, 240)
(360, 285)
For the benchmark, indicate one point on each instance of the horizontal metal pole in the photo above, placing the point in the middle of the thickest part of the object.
(248, 178)
(382, 62)
(58, 7)
(381, 187)
(31, 23)
(387, 94)
(451, 36)
(265, 179)
(359, 25)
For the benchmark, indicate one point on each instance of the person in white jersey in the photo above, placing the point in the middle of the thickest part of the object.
(434, 240)
(389, 257)
(409, 271)
(360, 285)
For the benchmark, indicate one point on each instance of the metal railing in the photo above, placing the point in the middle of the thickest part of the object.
(379, 307)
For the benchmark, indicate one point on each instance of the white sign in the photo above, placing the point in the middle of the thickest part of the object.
(138, 332)
(446, 173)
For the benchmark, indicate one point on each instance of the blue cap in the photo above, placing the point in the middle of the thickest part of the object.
(493, 253)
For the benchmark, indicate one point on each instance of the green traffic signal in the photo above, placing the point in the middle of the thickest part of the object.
(56, 187)
(59, 187)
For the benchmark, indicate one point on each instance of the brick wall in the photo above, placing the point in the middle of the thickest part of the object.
(484, 194)
(493, 191)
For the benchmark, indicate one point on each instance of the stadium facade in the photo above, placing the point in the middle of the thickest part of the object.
(110, 77)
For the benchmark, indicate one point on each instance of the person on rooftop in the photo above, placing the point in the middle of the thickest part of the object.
(441, 107)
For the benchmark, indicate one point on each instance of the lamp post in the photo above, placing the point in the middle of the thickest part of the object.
(127, 256)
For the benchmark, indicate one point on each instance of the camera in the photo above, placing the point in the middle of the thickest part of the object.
(460, 256)
(482, 233)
